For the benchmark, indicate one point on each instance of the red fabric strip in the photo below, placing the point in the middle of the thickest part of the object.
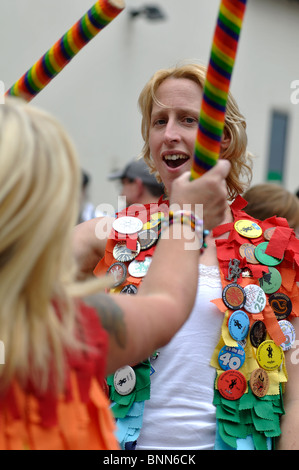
(279, 242)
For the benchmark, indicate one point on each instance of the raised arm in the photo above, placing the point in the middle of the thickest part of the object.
(139, 324)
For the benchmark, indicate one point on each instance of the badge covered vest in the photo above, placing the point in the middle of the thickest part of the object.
(259, 270)
(128, 255)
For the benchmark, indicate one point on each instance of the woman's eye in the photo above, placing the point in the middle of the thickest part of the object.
(159, 122)
(190, 120)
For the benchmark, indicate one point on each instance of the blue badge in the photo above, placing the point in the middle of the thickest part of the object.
(238, 325)
(231, 357)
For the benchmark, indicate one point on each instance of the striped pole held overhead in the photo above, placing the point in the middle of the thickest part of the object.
(216, 86)
(56, 58)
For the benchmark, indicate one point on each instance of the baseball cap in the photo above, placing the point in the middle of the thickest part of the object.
(136, 169)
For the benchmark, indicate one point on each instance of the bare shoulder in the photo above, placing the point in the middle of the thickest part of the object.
(111, 316)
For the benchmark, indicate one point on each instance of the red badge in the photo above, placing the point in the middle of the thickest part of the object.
(233, 296)
(232, 384)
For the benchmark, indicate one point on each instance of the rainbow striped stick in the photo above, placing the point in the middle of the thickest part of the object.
(56, 58)
(216, 86)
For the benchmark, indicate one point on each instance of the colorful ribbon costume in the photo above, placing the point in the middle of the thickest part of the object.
(249, 421)
(253, 418)
(78, 419)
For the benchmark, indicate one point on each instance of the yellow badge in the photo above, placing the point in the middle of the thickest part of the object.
(154, 221)
(269, 355)
(248, 228)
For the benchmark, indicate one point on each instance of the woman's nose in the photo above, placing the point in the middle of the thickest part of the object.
(171, 132)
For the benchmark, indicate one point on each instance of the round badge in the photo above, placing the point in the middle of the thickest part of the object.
(238, 325)
(124, 380)
(263, 258)
(127, 225)
(289, 332)
(233, 296)
(248, 228)
(119, 272)
(122, 253)
(269, 232)
(129, 289)
(232, 384)
(231, 357)
(259, 382)
(258, 333)
(139, 268)
(269, 355)
(271, 281)
(281, 305)
(147, 239)
(247, 251)
(255, 298)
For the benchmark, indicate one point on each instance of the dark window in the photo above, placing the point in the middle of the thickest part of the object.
(278, 141)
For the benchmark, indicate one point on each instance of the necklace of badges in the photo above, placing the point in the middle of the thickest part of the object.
(128, 256)
(257, 302)
(128, 261)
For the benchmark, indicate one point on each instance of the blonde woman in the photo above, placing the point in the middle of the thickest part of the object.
(186, 408)
(56, 350)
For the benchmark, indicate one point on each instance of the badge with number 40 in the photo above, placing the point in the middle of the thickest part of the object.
(231, 357)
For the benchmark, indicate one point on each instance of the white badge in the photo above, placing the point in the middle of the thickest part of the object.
(124, 380)
(255, 298)
(289, 332)
(127, 225)
(139, 268)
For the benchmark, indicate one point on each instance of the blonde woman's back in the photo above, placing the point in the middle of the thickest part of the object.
(55, 347)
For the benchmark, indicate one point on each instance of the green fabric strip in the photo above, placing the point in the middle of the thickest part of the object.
(122, 404)
(250, 415)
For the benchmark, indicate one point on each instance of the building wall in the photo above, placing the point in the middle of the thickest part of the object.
(96, 95)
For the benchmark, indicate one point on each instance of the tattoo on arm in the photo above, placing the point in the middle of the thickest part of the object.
(112, 317)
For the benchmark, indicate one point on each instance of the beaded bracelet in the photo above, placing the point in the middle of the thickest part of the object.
(205, 233)
(185, 217)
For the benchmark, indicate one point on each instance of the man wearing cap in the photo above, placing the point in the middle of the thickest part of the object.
(138, 185)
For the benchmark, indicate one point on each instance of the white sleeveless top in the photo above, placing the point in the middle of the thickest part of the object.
(180, 413)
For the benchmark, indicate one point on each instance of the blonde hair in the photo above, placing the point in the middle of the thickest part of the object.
(269, 199)
(39, 198)
(235, 126)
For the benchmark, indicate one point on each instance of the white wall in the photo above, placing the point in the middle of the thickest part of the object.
(267, 63)
(95, 96)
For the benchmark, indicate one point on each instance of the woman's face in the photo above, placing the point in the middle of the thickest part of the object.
(174, 126)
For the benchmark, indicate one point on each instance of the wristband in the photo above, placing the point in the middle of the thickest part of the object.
(185, 218)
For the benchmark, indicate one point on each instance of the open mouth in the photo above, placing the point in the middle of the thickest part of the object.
(175, 161)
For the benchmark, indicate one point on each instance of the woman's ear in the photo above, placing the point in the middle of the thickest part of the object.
(225, 141)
